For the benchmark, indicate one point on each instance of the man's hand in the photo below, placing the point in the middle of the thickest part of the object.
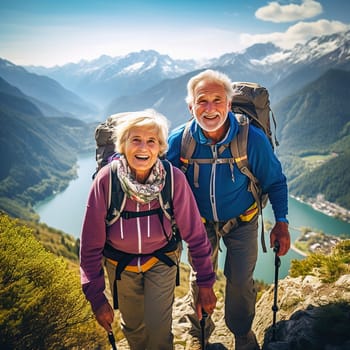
(281, 234)
(206, 301)
(104, 316)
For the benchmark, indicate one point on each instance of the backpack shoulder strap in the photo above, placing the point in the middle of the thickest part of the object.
(166, 201)
(240, 154)
(116, 197)
(188, 144)
(239, 144)
(167, 193)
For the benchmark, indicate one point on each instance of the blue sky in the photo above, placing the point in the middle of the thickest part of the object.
(55, 32)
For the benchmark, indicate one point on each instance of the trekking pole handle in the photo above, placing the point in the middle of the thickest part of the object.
(276, 249)
(202, 324)
(204, 317)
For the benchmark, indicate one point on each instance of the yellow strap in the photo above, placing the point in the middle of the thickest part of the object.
(143, 268)
(246, 216)
(250, 213)
(184, 160)
(239, 159)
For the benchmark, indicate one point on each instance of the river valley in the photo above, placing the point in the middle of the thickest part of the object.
(65, 211)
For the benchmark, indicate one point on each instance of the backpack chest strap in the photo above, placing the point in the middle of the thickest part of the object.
(197, 162)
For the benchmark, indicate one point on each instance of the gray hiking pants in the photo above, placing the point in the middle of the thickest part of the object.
(145, 304)
(240, 294)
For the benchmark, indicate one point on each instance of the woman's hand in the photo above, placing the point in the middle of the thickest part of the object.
(105, 316)
(206, 301)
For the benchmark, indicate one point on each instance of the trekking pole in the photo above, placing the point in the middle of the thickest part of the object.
(276, 249)
(202, 323)
(112, 340)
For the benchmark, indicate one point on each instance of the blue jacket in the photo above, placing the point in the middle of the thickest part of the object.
(222, 195)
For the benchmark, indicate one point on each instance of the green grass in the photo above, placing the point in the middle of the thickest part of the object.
(315, 160)
(328, 267)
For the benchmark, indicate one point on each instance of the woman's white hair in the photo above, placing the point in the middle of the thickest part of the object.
(148, 118)
(209, 75)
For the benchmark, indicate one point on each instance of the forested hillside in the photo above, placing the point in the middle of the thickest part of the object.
(41, 303)
(330, 179)
(38, 154)
(314, 126)
(315, 117)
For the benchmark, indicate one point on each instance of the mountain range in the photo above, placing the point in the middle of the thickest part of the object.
(106, 78)
(49, 114)
(50, 96)
(139, 79)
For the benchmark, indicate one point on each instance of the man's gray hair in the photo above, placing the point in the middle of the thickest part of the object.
(209, 75)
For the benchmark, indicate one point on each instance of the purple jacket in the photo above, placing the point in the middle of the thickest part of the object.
(139, 235)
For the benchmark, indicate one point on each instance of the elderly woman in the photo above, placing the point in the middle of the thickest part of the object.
(145, 289)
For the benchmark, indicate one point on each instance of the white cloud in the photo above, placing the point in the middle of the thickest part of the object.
(274, 12)
(298, 33)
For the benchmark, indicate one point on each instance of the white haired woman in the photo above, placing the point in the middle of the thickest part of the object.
(145, 288)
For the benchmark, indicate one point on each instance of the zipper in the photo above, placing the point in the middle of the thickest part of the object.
(149, 222)
(139, 238)
(121, 228)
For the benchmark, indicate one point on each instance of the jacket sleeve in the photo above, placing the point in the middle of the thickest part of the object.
(268, 170)
(93, 237)
(192, 230)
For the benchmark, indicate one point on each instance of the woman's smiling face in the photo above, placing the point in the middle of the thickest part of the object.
(141, 151)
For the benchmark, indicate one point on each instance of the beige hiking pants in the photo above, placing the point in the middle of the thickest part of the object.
(145, 303)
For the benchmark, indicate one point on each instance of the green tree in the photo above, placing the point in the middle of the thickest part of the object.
(41, 303)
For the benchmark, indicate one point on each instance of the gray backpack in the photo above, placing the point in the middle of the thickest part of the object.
(104, 137)
(252, 100)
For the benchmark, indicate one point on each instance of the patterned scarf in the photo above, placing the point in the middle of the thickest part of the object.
(142, 193)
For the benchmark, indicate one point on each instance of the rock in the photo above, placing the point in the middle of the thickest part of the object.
(311, 315)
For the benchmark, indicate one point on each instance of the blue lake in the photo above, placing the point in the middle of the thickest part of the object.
(65, 211)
